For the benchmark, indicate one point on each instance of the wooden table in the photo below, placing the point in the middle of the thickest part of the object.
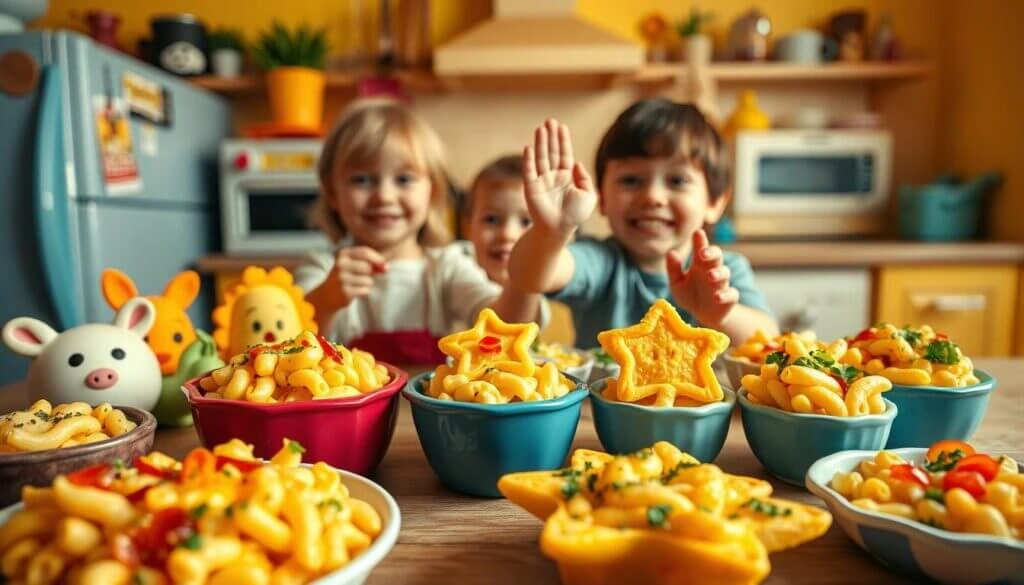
(454, 539)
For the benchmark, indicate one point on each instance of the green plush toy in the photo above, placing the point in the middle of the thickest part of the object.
(198, 358)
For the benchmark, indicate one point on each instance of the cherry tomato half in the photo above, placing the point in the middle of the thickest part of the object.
(908, 472)
(970, 481)
(868, 333)
(948, 446)
(100, 476)
(987, 466)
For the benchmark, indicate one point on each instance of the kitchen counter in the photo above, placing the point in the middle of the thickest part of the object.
(454, 539)
(791, 254)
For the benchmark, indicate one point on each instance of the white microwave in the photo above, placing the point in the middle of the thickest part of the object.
(268, 188)
(811, 182)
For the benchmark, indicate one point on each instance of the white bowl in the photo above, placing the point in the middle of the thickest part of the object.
(736, 368)
(913, 548)
(358, 570)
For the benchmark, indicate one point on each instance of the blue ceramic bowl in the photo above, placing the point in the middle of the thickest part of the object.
(787, 443)
(470, 446)
(930, 413)
(924, 553)
(624, 427)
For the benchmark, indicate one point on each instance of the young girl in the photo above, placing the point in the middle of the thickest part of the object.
(393, 287)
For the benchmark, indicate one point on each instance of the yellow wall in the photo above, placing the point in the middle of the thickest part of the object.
(983, 102)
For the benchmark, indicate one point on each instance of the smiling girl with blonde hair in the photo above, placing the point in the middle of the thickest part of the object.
(394, 286)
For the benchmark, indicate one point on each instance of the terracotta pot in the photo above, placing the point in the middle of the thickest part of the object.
(296, 96)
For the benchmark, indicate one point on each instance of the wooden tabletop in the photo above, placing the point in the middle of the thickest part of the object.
(764, 254)
(454, 539)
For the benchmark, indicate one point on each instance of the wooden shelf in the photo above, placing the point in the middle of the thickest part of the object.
(425, 81)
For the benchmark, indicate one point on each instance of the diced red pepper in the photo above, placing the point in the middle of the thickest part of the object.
(907, 472)
(198, 462)
(100, 476)
(970, 481)
(329, 349)
(842, 383)
(255, 352)
(154, 540)
(148, 468)
(987, 466)
(490, 344)
(243, 465)
(136, 496)
(868, 333)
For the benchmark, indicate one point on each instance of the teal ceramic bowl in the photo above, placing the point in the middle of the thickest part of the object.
(624, 427)
(470, 446)
(930, 413)
(788, 443)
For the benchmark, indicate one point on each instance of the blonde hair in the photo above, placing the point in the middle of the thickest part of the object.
(360, 137)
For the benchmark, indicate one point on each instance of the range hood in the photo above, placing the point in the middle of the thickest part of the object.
(536, 37)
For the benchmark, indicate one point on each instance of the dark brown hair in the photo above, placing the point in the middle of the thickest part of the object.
(661, 128)
(507, 168)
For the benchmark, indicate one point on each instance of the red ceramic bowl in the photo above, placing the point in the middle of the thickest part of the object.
(348, 433)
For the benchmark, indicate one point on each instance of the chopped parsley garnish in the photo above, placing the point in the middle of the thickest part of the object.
(229, 511)
(42, 415)
(766, 508)
(911, 336)
(935, 494)
(672, 473)
(942, 351)
(570, 488)
(945, 461)
(567, 472)
(846, 372)
(295, 447)
(644, 453)
(198, 511)
(193, 542)
(588, 465)
(291, 350)
(805, 362)
(117, 464)
(602, 356)
(591, 481)
(779, 358)
(657, 516)
(822, 357)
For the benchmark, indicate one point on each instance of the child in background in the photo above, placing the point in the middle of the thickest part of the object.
(663, 175)
(393, 287)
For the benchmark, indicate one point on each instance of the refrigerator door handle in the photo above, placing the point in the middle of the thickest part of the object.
(50, 203)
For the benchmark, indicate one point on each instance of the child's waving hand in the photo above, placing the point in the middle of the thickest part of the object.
(703, 289)
(559, 192)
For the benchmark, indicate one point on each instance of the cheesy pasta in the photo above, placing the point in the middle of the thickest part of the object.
(816, 383)
(490, 364)
(218, 517)
(43, 426)
(305, 368)
(954, 489)
(910, 356)
(564, 358)
(759, 346)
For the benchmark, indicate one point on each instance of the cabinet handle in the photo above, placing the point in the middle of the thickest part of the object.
(949, 303)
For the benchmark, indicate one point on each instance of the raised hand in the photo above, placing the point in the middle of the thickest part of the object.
(703, 289)
(559, 193)
(354, 269)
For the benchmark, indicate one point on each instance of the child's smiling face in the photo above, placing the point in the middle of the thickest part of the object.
(655, 204)
(498, 218)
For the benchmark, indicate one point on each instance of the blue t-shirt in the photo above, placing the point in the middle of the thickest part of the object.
(608, 290)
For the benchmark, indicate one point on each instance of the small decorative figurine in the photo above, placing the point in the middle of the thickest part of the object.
(93, 363)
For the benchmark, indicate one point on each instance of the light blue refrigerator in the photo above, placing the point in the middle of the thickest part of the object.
(62, 217)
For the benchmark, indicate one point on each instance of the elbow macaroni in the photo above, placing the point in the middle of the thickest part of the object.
(43, 426)
(910, 356)
(218, 517)
(305, 368)
(806, 390)
(758, 346)
(997, 510)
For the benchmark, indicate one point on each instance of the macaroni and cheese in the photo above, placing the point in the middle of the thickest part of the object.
(816, 383)
(910, 356)
(564, 359)
(954, 489)
(218, 517)
(308, 367)
(490, 364)
(759, 346)
(44, 426)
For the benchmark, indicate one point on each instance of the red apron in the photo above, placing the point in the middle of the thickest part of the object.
(407, 347)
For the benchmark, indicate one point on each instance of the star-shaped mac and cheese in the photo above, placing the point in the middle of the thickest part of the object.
(492, 343)
(665, 358)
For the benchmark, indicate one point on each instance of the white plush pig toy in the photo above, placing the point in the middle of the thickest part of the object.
(92, 363)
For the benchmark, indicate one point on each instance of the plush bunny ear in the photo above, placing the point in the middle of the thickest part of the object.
(117, 288)
(137, 316)
(27, 336)
(183, 288)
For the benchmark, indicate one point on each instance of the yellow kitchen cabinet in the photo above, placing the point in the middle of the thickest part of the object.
(975, 305)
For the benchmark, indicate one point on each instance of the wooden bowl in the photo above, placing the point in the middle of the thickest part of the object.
(39, 468)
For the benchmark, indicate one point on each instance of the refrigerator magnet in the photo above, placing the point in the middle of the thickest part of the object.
(147, 139)
(120, 167)
(146, 99)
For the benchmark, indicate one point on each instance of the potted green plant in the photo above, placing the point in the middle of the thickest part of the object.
(294, 62)
(696, 45)
(226, 48)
